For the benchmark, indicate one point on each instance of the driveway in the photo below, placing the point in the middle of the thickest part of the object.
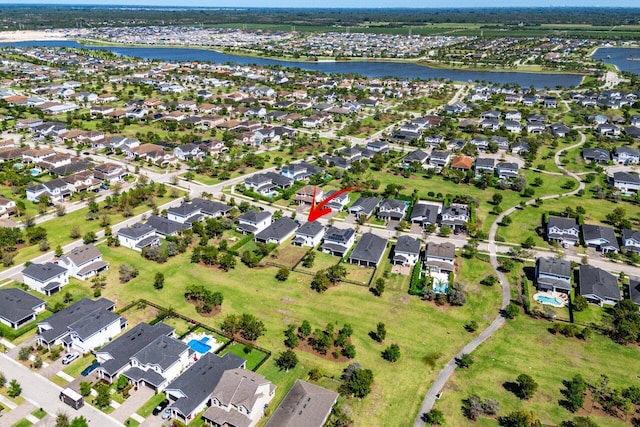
(11, 417)
(136, 400)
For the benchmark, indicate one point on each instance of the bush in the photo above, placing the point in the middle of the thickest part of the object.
(24, 353)
(391, 353)
(580, 303)
(464, 361)
(512, 310)
(287, 360)
(85, 388)
(433, 417)
(527, 386)
(471, 326)
(282, 275)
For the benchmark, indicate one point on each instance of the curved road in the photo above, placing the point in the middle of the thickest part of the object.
(445, 373)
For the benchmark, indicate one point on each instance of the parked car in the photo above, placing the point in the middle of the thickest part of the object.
(86, 371)
(160, 407)
(70, 358)
(166, 414)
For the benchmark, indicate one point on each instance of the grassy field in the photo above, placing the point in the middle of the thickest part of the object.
(253, 357)
(398, 388)
(288, 254)
(525, 346)
(146, 409)
(357, 273)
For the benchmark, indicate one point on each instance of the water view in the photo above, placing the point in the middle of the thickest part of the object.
(626, 59)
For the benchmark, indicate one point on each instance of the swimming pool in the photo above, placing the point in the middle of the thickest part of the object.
(440, 287)
(200, 346)
(543, 299)
(35, 172)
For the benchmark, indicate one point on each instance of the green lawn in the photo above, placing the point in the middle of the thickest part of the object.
(399, 386)
(78, 365)
(525, 346)
(322, 262)
(22, 423)
(39, 413)
(146, 409)
(253, 358)
(358, 274)
(181, 326)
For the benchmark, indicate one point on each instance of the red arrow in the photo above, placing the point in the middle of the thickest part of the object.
(319, 210)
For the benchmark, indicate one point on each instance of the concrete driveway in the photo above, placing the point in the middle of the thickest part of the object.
(132, 404)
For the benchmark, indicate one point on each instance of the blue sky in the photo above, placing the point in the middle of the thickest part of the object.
(342, 3)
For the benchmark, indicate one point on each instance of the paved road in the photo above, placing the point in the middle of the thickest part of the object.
(498, 322)
(44, 394)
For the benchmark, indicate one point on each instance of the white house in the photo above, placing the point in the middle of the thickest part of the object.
(158, 363)
(83, 262)
(18, 307)
(309, 234)
(138, 236)
(406, 251)
(45, 278)
(7, 207)
(626, 181)
(253, 222)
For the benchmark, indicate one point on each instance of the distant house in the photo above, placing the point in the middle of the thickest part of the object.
(17, 307)
(463, 163)
(305, 405)
(158, 363)
(83, 262)
(190, 393)
(440, 258)
(560, 130)
(626, 156)
(392, 209)
(7, 207)
(485, 166)
(602, 238)
(415, 156)
(239, 399)
(626, 181)
(308, 195)
(425, 213)
(115, 357)
(45, 278)
(301, 171)
(455, 216)
(369, 250)
(596, 155)
(309, 234)
(338, 241)
(83, 326)
(337, 203)
(598, 286)
(406, 251)
(553, 274)
(253, 222)
(507, 170)
(563, 230)
(197, 210)
(378, 146)
(364, 206)
(56, 189)
(138, 236)
(277, 232)
(165, 227)
(631, 240)
(439, 159)
(634, 291)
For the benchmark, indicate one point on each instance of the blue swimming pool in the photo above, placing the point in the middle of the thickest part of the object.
(204, 339)
(35, 172)
(548, 300)
(199, 346)
(440, 288)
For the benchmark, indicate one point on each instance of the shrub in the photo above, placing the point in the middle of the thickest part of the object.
(282, 275)
(464, 361)
(471, 326)
(391, 353)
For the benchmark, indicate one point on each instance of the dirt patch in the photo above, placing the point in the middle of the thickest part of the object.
(287, 300)
(306, 347)
(214, 311)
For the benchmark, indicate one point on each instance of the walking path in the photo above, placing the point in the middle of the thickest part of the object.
(498, 322)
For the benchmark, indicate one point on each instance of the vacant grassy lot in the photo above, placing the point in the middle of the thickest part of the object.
(525, 346)
(419, 328)
(357, 273)
(322, 262)
(287, 254)
(253, 357)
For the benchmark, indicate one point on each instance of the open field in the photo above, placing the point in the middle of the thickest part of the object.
(278, 304)
(525, 346)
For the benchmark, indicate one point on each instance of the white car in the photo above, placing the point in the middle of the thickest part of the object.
(70, 358)
(166, 414)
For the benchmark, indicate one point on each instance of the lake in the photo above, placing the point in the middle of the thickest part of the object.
(369, 69)
(619, 56)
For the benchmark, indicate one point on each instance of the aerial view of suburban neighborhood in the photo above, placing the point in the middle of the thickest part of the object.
(323, 215)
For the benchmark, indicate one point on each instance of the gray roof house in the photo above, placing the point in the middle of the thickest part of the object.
(602, 238)
(364, 206)
(46, 278)
(455, 216)
(631, 240)
(138, 236)
(239, 399)
(626, 181)
(159, 362)
(165, 227)
(279, 231)
(598, 286)
(406, 251)
(196, 210)
(83, 326)
(553, 274)
(369, 250)
(507, 170)
(337, 241)
(392, 209)
(114, 358)
(598, 155)
(18, 307)
(253, 221)
(634, 291)
(309, 234)
(485, 165)
(305, 405)
(83, 262)
(562, 230)
(415, 156)
(191, 391)
(440, 258)
(425, 213)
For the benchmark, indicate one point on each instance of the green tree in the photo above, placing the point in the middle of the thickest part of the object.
(62, 420)
(90, 237)
(103, 399)
(580, 303)
(24, 353)
(122, 382)
(158, 281)
(380, 333)
(304, 330)
(282, 275)
(14, 389)
(512, 310)
(625, 322)
(227, 261)
(287, 360)
(85, 388)
(356, 381)
(391, 353)
(3, 380)
(79, 422)
(574, 392)
(309, 259)
(379, 287)
(290, 337)
(529, 242)
(434, 417)
(519, 419)
(507, 265)
(59, 251)
(336, 273)
(527, 386)
(465, 360)
(320, 282)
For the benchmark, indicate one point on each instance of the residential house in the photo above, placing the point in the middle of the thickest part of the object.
(301, 171)
(462, 163)
(7, 207)
(424, 213)
(560, 130)
(83, 262)
(308, 195)
(364, 206)
(392, 209)
(239, 399)
(165, 227)
(196, 210)
(45, 278)
(439, 159)
(56, 189)
(158, 363)
(485, 165)
(190, 393)
(553, 274)
(562, 230)
(115, 357)
(369, 250)
(406, 251)
(188, 151)
(138, 236)
(598, 286)
(305, 405)
(626, 156)
(378, 146)
(626, 181)
(338, 241)
(596, 155)
(602, 238)
(631, 240)
(277, 232)
(83, 326)
(455, 216)
(634, 290)
(507, 170)
(440, 258)
(253, 222)
(337, 203)
(309, 234)
(415, 156)
(17, 307)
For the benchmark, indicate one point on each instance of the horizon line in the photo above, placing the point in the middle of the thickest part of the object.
(130, 6)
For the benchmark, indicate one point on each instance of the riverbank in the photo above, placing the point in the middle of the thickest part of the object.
(29, 35)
